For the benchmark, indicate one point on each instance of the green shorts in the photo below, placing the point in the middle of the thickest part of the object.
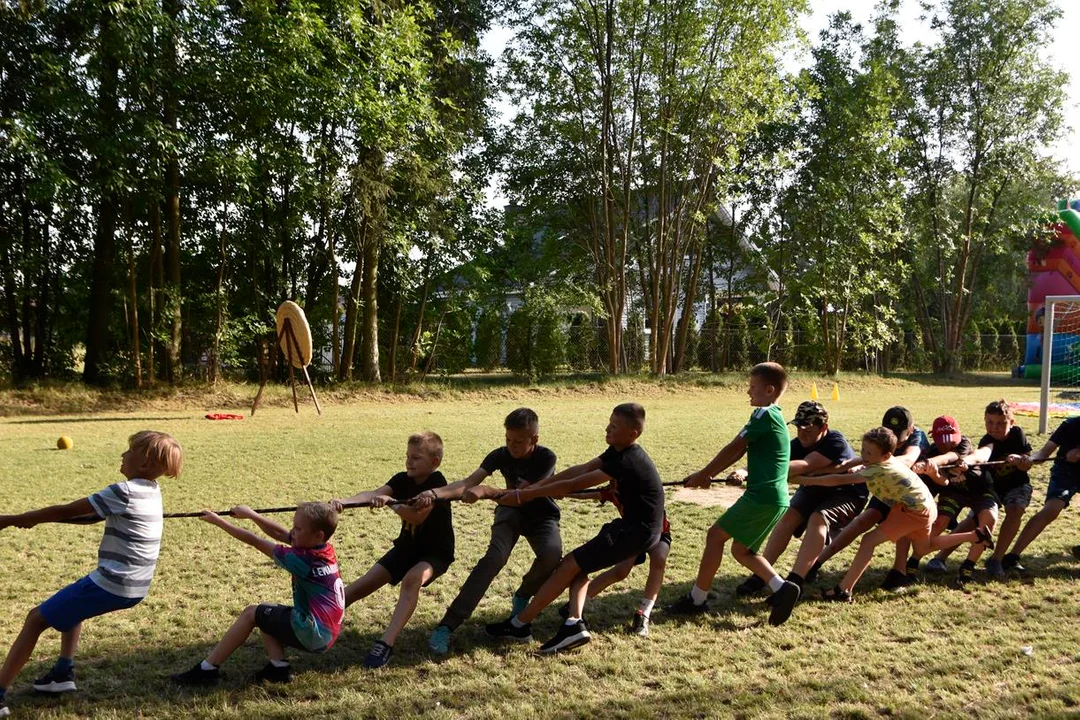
(750, 523)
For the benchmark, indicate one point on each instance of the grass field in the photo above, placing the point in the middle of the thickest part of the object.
(935, 651)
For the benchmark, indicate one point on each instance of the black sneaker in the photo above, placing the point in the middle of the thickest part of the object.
(895, 580)
(197, 676)
(686, 606)
(568, 638)
(913, 565)
(506, 629)
(963, 577)
(811, 576)
(273, 673)
(1012, 562)
(639, 625)
(1076, 551)
(56, 682)
(750, 586)
(783, 603)
(379, 655)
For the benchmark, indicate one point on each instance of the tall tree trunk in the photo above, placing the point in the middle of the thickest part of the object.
(102, 279)
(369, 330)
(335, 310)
(352, 308)
(133, 294)
(156, 277)
(219, 308)
(174, 370)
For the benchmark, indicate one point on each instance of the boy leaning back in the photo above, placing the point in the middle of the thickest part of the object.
(313, 622)
(751, 518)
(128, 554)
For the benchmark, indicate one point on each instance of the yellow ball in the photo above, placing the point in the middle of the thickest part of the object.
(64, 443)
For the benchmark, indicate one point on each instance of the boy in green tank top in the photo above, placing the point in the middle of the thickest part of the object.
(748, 522)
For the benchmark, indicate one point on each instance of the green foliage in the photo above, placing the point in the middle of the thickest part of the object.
(488, 347)
(535, 339)
(634, 350)
(581, 343)
(710, 343)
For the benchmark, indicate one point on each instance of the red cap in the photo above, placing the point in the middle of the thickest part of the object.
(946, 429)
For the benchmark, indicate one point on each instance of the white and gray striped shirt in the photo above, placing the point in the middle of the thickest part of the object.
(129, 549)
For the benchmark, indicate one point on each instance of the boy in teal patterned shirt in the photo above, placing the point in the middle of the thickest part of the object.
(749, 521)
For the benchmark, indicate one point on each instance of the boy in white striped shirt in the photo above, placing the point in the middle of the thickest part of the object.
(127, 557)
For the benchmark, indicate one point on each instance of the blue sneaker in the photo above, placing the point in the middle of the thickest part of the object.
(439, 642)
(379, 655)
(518, 604)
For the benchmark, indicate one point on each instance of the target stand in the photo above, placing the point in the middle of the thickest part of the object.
(294, 341)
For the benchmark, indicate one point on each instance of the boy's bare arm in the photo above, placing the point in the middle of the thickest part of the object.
(827, 480)
(909, 456)
(275, 530)
(569, 473)
(562, 488)
(411, 514)
(361, 497)
(728, 455)
(453, 491)
(979, 456)
(813, 462)
(1044, 452)
(266, 547)
(53, 513)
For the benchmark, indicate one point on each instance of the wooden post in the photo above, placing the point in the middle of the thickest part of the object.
(295, 345)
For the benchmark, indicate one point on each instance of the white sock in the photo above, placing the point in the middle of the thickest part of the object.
(572, 621)
(776, 583)
(280, 663)
(646, 606)
(698, 595)
(516, 623)
(207, 666)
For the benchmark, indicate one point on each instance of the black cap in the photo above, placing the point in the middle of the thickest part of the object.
(809, 413)
(898, 419)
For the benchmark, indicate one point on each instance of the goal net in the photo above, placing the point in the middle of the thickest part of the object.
(1060, 359)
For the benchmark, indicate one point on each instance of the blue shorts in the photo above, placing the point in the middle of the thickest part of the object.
(1064, 482)
(80, 600)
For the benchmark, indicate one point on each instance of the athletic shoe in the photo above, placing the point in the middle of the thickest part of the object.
(783, 602)
(750, 586)
(937, 566)
(56, 682)
(273, 673)
(568, 638)
(812, 575)
(639, 624)
(963, 577)
(518, 605)
(895, 580)
(995, 569)
(686, 606)
(1012, 562)
(1076, 551)
(378, 656)
(506, 629)
(913, 566)
(439, 642)
(4, 709)
(197, 676)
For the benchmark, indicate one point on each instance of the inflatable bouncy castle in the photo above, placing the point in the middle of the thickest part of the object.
(1055, 270)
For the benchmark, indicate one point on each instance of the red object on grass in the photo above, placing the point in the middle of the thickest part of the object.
(223, 416)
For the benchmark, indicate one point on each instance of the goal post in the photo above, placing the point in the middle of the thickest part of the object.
(1060, 350)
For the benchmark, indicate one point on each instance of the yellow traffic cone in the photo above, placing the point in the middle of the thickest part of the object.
(835, 391)
(813, 391)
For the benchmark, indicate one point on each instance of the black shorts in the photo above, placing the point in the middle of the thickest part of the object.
(616, 542)
(665, 537)
(399, 561)
(951, 503)
(837, 507)
(276, 621)
(879, 505)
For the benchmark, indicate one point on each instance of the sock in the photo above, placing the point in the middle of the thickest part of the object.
(646, 606)
(572, 621)
(516, 623)
(64, 665)
(698, 595)
(207, 666)
(794, 577)
(776, 583)
(967, 565)
(279, 663)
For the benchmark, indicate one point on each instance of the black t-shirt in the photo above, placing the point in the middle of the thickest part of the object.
(639, 494)
(1007, 477)
(834, 446)
(1066, 437)
(522, 472)
(434, 536)
(972, 483)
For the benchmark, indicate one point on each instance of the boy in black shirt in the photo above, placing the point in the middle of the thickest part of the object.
(641, 495)
(522, 462)
(422, 551)
(1064, 483)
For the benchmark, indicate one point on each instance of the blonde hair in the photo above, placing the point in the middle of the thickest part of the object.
(159, 448)
(321, 516)
(429, 442)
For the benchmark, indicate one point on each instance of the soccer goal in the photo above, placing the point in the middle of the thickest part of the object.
(1060, 358)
